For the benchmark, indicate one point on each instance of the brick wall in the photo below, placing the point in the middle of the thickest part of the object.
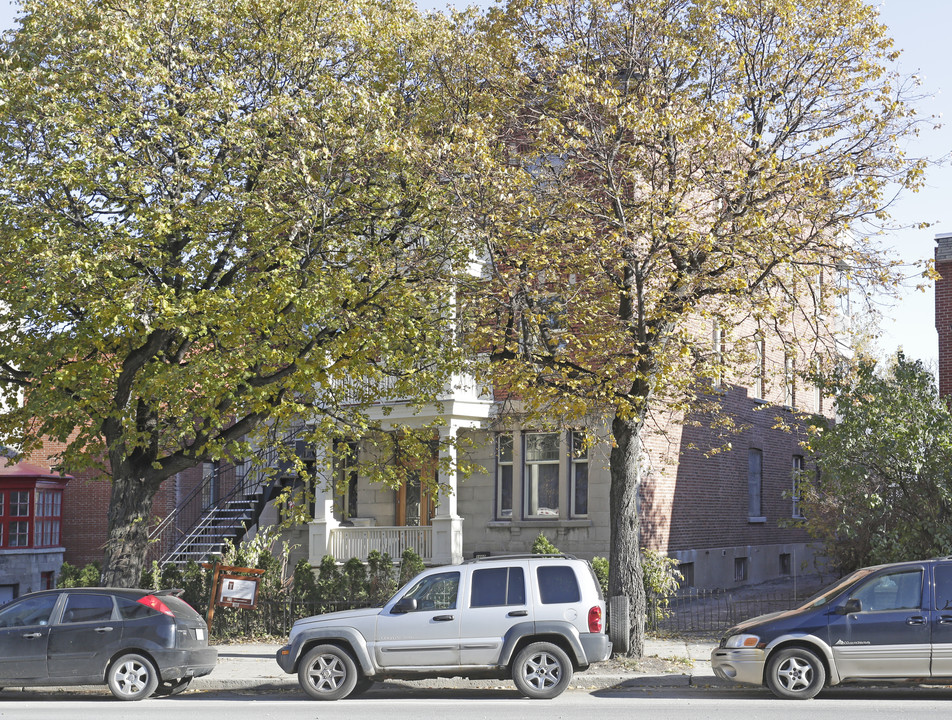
(943, 310)
(86, 507)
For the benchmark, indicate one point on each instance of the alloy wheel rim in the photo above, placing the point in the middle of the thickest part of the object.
(542, 671)
(326, 673)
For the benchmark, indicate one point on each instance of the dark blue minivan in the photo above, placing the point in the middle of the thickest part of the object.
(890, 622)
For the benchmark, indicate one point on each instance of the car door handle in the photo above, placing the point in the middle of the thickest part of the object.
(945, 619)
(518, 613)
(442, 618)
(104, 629)
(916, 620)
(31, 636)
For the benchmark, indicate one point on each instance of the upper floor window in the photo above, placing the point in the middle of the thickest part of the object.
(789, 381)
(755, 472)
(760, 368)
(799, 467)
(30, 518)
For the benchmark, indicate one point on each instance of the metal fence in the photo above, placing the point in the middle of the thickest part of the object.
(710, 612)
(273, 618)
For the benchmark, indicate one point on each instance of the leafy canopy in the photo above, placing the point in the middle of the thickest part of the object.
(883, 492)
(218, 213)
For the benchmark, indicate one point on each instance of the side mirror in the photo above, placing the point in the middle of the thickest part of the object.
(853, 605)
(404, 605)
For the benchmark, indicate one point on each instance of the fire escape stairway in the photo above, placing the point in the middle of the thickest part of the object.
(205, 521)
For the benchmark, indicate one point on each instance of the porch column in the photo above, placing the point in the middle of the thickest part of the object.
(319, 529)
(447, 525)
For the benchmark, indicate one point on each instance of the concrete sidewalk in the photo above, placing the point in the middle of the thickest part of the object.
(252, 667)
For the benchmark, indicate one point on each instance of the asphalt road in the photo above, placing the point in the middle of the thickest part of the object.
(492, 704)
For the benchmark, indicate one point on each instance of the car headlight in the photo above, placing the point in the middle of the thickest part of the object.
(743, 641)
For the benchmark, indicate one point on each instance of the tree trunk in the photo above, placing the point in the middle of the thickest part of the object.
(625, 573)
(130, 509)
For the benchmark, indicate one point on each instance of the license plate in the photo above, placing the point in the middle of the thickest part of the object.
(200, 633)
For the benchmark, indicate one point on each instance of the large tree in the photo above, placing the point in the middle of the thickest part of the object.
(666, 166)
(216, 214)
(883, 490)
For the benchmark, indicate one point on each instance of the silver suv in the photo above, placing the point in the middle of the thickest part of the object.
(533, 618)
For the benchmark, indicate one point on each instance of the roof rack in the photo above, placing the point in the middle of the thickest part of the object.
(519, 556)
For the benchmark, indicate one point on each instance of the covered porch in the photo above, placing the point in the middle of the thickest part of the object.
(436, 533)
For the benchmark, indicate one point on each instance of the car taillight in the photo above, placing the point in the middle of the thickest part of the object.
(595, 619)
(153, 602)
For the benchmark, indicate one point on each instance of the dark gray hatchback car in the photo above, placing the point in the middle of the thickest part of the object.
(138, 642)
(885, 623)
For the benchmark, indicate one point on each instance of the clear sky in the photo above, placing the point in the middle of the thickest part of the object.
(920, 29)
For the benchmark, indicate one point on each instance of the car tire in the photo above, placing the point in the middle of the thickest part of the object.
(542, 671)
(132, 677)
(795, 673)
(327, 673)
(173, 687)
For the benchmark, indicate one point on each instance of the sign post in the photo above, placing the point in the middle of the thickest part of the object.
(235, 587)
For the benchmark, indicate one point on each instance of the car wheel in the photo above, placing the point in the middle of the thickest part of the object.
(132, 677)
(795, 673)
(173, 687)
(542, 670)
(327, 673)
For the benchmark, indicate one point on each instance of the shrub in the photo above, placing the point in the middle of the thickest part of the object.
(600, 566)
(381, 582)
(410, 566)
(542, 546)
(71, 576)
(661, 579)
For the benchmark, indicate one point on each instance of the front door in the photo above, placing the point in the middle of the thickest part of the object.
(414, 503)
(890, 635)
(427, 636)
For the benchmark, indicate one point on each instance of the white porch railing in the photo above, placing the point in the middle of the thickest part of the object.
(357, 542)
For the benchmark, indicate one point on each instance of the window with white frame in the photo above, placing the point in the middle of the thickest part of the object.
(579, 475)
(504, 476)
(789, 381)
(720, 349)
(760, 368)
(541, 474)
(799, 468)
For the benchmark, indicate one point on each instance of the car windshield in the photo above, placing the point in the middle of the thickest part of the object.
(831, 591)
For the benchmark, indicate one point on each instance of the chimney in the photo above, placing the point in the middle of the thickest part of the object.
(943, 310)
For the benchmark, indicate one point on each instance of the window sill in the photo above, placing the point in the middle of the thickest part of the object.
(541, 522)
(756, 520)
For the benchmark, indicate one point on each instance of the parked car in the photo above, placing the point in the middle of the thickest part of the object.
(135, 641)
(534, 619)
(885, 623)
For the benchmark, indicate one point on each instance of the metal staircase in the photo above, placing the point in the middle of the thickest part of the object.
(203, 523)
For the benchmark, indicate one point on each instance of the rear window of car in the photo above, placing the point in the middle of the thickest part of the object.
(178, 606)
(557, 584)
(133, 610)
(498, 586)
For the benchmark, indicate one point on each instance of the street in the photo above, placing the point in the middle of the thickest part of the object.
(399, 704)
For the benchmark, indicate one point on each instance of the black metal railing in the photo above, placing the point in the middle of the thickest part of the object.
(710, 612)
(200, 517)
